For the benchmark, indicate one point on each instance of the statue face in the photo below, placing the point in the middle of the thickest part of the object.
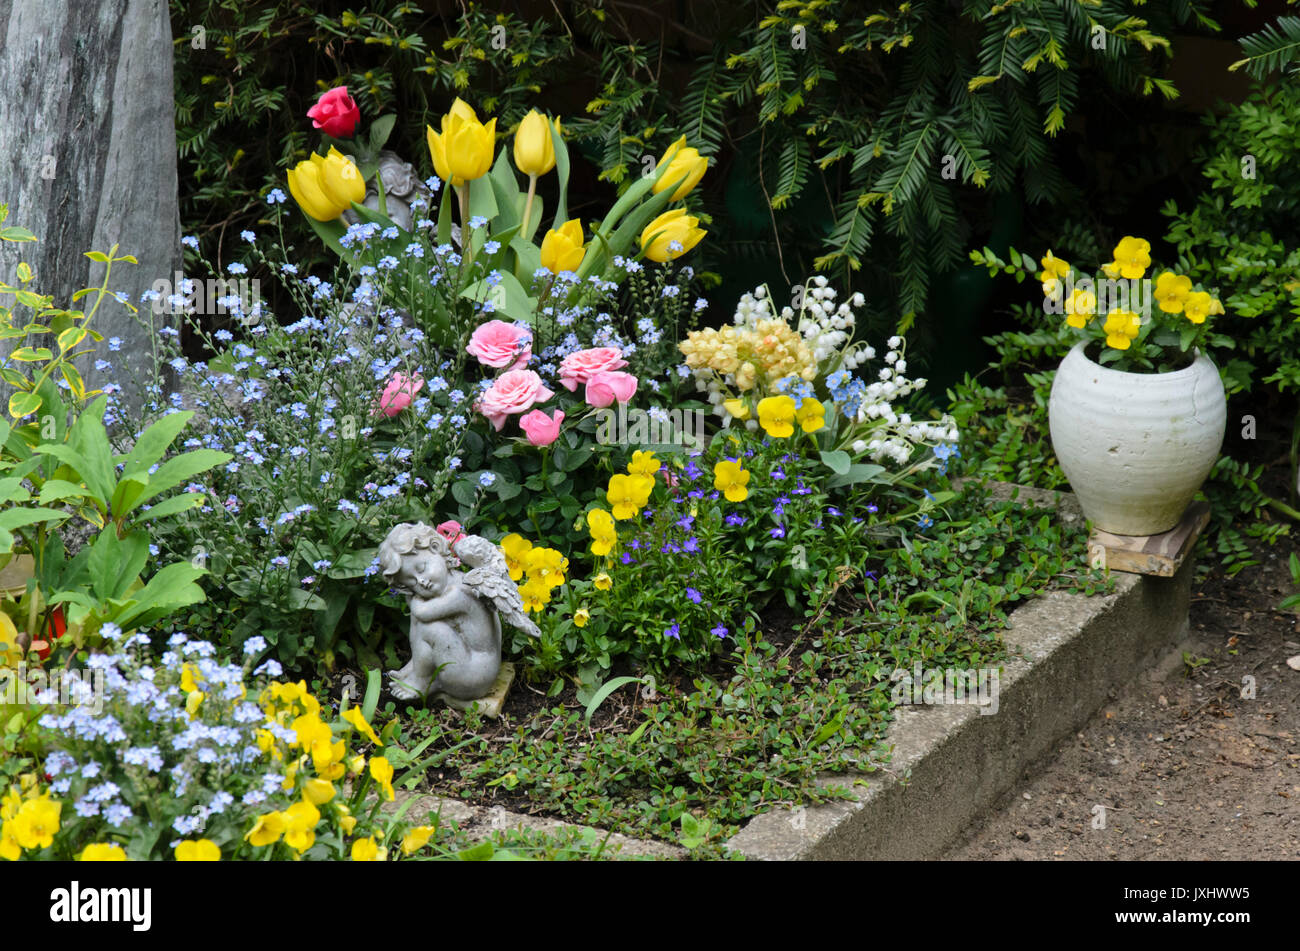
(423, 572)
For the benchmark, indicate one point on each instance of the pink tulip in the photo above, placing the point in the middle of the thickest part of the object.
(399, 392)
(609, 385)
(542, 430)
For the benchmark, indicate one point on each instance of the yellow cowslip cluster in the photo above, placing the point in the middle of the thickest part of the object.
(544, 569)
(27, 820)
(770, 349)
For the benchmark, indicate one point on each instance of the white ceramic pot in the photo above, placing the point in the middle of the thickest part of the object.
(1136, 446)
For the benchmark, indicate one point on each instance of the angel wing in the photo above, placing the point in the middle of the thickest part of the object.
(489, 580)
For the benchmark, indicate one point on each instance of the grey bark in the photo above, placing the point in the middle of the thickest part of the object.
(88, 158)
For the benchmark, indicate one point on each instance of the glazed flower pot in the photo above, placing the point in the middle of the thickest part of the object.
(1136, 446)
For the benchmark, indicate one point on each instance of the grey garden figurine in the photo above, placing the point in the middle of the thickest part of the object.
(455, 615)
(401, 187)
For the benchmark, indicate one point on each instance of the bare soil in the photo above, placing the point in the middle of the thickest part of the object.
(1183, 763)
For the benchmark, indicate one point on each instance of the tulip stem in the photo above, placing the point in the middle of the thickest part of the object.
(528, 206)
(379, 191)
(466, 248)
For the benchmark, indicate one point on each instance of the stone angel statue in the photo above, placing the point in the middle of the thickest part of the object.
(455, 615)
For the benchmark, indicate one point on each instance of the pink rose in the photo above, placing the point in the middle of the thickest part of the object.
(541, 429)
(513, 392)
(335, 113)
(451, 531)
(581, 366)
(499, 344)
(607, 386)
(397, 395)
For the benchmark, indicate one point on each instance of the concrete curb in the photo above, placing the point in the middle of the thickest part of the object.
(950, 763)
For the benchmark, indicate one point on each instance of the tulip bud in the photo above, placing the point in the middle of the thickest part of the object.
(562, 249)
(671, 226)
(339, 179)
(534, 150)
(685, 169)
(463, 150)
(305, 186)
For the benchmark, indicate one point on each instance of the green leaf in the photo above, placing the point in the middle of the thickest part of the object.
(562, 173)
(154, 442)
(380, 130)
(15, 233)
(18, 517)
(837, 461)
(55, 490)
(23, 404)
(172, 506)
(606, 689)
(180, 469)
(508, 297)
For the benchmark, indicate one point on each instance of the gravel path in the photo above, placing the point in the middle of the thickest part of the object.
(1183, 763)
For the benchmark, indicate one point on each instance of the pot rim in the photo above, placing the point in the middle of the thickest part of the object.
(1171, 375)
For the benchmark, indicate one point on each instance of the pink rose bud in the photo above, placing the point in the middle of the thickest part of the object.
(398, 394)
(335, 113)
(542, 430)
(578, 368)
(609, 385)
(512, 393)
(451, 531)
(499, 344)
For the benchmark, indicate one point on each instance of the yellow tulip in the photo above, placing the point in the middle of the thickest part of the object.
(671, 226)
(563, 250)
(304, 185)
(463, 150)
(534, 150)
(340, 179)
(685, 169)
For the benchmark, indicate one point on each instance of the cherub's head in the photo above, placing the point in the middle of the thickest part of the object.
(413, 558)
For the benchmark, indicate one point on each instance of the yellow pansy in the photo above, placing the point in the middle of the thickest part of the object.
(102, 852)
(267, 829)
(1121, 328)
(358, 721)
(381, 771)
(1133, 257)
(347, 821)
(628, 494)
(1053, 267)
(309, 728)
(603, 581)
(1172, 291)
(318, 791)
(10, 850)
(738, 409)
(603, 534)
(365, 850)
(643, 464)
(731, 480)
(300, 822)
(547, 566)
(1197, 306)
(811, 415)
(515, 547)
(536, 595)
(581, 617)
(199, 850)
(36, 823)
(416, 839)
(776, 416)
(1080, 308)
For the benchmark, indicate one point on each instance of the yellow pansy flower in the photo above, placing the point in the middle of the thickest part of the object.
(199, 850)
(776, 415)
(581, 617)
(358, 720)
(1172, 291)
(416, 839)
(365, 850)
(627, 494)
(1197, 306)
(811, 415)
(267, 829)
(300, 822)
(381, 771)
(536, 595)
(318, 791)
(102, 852)
(731, 480)
(738, 409)
(1121, 328)
(604, 536)
(644, 464)
(36, 823)
(1133, 257)
(1080, 308)
(515, 547)
(1053, 267)
(603, 581)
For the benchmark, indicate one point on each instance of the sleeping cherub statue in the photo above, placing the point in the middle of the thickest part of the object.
(455, 615)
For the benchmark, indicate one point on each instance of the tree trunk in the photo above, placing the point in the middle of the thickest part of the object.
(88, 159)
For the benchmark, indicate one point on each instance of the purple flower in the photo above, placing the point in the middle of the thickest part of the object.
(719, 632)
(691, 546)
(674, 631)
(693, 595)
(832, 510)
(735, 519)
(627, 559)
(686, 522)
(778, 532)
(871, 509)
(778, 473)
